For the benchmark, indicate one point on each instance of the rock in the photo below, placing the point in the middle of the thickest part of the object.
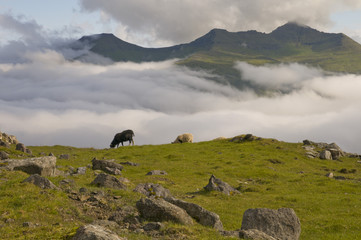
(20, 147)
(4, 144)
(3, 155)
(230, 233)
(130, 163)
(64, 156)
(242, 138)
(39, 181)
(325, 154)
(105, 180)
(153, 190)
(215, 184)
(153, 226)
(44, 166)
(200, 214)
(280, 224)
(80, 170)
(330, 175)
(160, 210)
(157, 172)
(255, 234)
(107, 166)
(95, 232)
(126, 214)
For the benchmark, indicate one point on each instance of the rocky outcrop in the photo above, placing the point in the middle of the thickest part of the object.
(3, 155)
(160, 210)
(328, 151)
(40, 181)
(215, 184)
(6, 139)
(107, 166)
(95, 232)
(153, 190)
(200, 214)
(280, 224)
(44, 166)
(105, 180)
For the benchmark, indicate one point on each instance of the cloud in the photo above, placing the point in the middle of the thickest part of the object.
(170, 21)
(48, 100)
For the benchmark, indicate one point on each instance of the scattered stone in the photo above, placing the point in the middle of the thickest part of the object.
(255, 234)
(105, 180)
(157, 172)
(41, 182)
(80, 170)
(153, 190)
(64, 156)
(325, 154)
(200, 214)
(44, 166)
(107, 166)
(20, 147)
(29, 224)
(280, 224)
(330, 175)
(3, 155)
(161, 210)
(215, 184)
(95, 232)
(130, 163)
(153, 226)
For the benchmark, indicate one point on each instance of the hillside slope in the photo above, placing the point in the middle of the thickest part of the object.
(218, 50)
(267, 172)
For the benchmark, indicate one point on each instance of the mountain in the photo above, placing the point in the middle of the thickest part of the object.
(218, 50)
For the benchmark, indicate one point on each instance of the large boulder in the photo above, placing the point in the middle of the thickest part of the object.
(40, 181)
(216, 184)
(44, 166)
(160, 210)
(107, 166)
(153, 190)
(95, 232)
(200, 214)
(105, 180)
(281, 224)
(3, 155)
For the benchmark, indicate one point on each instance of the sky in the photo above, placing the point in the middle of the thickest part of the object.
(45, 99)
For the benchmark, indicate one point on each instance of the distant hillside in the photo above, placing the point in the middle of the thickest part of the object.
(219, 49)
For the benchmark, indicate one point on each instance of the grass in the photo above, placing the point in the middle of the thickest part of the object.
(269, 174)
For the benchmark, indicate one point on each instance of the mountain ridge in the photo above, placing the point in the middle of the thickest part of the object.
(218, 50)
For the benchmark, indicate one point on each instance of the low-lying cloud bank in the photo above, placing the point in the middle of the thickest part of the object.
(47, 100)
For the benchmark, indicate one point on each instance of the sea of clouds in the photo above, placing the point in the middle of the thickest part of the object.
(46, 99)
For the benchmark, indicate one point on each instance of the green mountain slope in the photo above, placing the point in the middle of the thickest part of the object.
(218, 50)
(267, 172)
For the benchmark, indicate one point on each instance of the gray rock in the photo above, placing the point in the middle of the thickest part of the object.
(105, 180)
(20, 147)
(325, 154)
(255, 234)
(128, 214)
(330, 175)
(160, 210)
(44, 166)
(200, 214)
(81, 170)
(3, 155)
(64, 156)
(157, 172)
(41, 182)
(215, 184)
(280, 224)
(153, 190)
(95, 232)
(107, 166)
(153, 226)
(4, 144)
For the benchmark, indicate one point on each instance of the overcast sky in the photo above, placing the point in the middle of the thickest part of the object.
(47, 100)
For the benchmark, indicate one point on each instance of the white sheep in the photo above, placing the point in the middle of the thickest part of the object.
(186, 137)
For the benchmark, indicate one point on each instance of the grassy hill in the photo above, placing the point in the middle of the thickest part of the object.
(218, 50)
(268, 173)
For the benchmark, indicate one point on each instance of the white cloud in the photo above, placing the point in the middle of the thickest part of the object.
(183, 21)
(48, 100)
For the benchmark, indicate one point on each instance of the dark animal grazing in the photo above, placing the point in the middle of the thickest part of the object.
(124, 136)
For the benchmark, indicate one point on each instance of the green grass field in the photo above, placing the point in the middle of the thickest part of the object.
(268, 173)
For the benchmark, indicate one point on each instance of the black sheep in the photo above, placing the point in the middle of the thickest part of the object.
(124, 136)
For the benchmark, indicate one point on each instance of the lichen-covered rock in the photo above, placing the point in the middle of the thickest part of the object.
(160, 210)
(105, 180)
(44, 166)
(215, 184)
(107, 166)
(95, 232)
(41, 182)
(3, 155)
(280, 224)
(153, 190)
